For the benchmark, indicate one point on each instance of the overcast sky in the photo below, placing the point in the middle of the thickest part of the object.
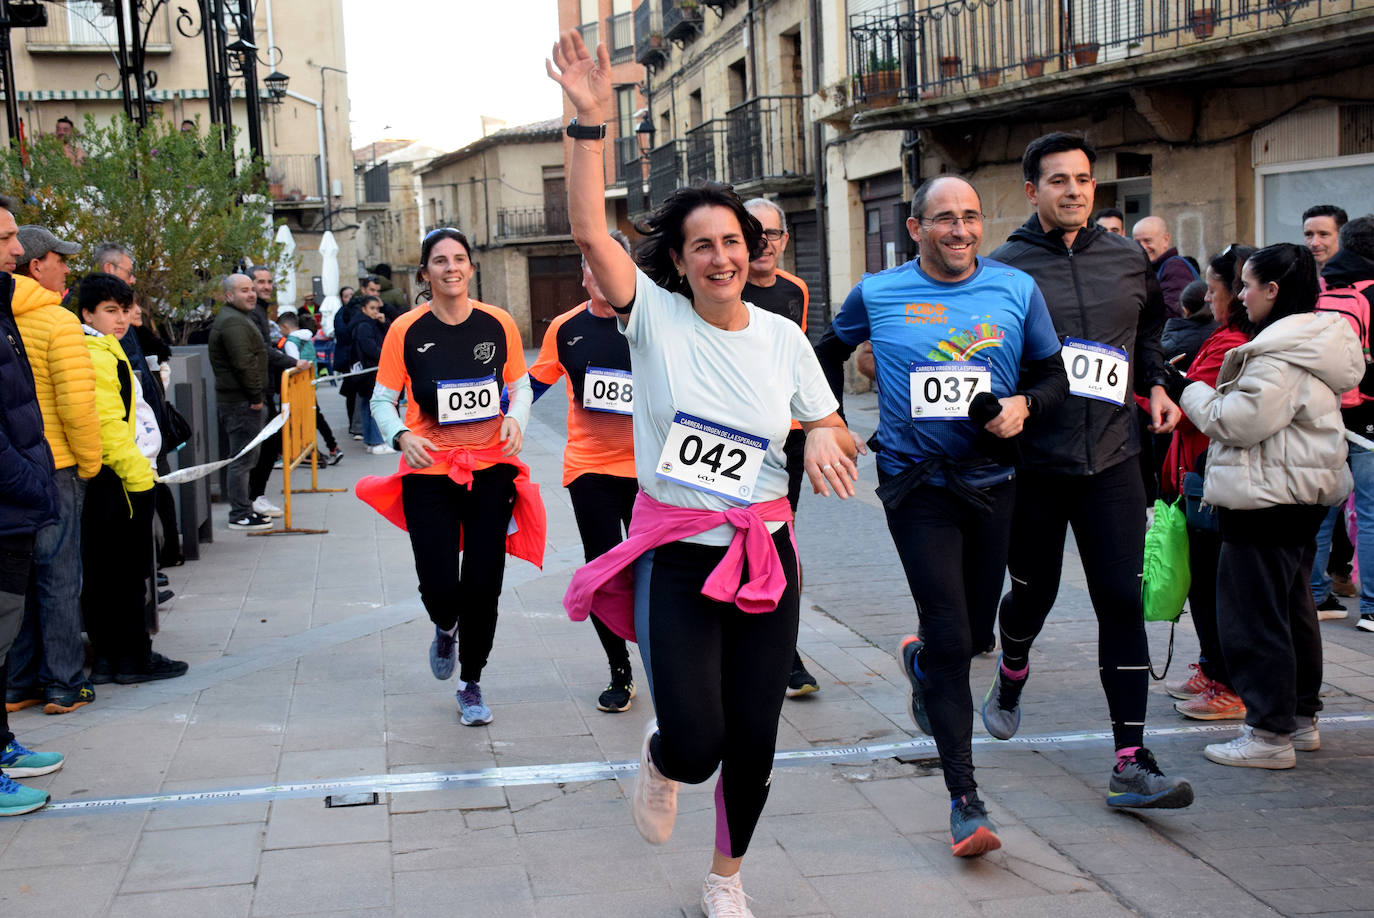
(431, 68)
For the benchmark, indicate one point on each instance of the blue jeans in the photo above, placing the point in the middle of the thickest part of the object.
(242, 424)
(1362, 468)
(372, 434)
(48, 650)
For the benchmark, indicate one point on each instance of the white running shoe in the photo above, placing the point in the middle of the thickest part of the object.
(265, 507)
(1306, 738)
(724, 897)
(381, 449)
(655, 800)
(1251, 750)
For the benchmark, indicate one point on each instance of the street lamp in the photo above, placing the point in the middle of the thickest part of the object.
(276, 84)
(645, 133)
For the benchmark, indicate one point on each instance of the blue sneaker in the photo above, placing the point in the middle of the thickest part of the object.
(18, 762)
(441, 654)
(911, 644)
(475, 712)
(1002, 704)
(971, 832)
(1138, 782)
(16, 799)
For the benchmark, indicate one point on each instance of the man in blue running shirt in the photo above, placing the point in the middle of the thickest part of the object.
(966, 355)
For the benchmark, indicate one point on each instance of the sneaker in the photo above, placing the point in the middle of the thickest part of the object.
(1217, 703)
(724, 897)
(162, 579)
(382, 449)
(618, 693)
(1342, 585)
(17, 699)
(1330, 609)
(16, 799)
(18, 762)
(264, 507)
(1196, 683)
(1002, 704)
(65, 701)
(655, 801)
(277, 463)
(164, 597)
(1305, 737)
(801, 682)
(441, 653)
(1252, 750)
(911, 645)
(152, 669)
(250, 522)
(475, 711)
(971, 832)
(102, 672)
(1366, 622)
(1138, 782)
(333, 456)
(357, 436)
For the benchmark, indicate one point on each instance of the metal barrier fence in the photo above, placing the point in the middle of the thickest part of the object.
(298, 439)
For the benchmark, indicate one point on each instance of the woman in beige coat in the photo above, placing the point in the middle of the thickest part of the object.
(1276, 462)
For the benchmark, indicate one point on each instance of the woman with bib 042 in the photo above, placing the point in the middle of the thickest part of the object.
(459, 486)
(706, 581)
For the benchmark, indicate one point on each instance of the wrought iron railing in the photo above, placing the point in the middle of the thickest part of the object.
(681, 19)
(665, 171)
(80, 25)
(649, 48)
(620, 33)
(767, 139)
(626, 153)
(706, 151)
(901, 54)
(529, 222)
(294, 177)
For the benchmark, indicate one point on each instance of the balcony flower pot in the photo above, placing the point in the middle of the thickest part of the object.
(880, 88)
(1203, 19)
(276, 191)
(949, 66)
(1085, 53)
(1035, 67)
(987, 79)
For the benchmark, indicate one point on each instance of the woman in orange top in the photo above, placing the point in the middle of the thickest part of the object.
(459, 478)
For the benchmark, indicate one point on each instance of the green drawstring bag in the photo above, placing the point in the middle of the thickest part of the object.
(1166, 578)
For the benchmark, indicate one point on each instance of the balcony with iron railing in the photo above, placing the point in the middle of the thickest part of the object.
(79, 26)
(532, 222)
(768, 143)
(907, 61)
(294, 178)
(625, 150)
(620, 33)
(649, 47)
(665, 171)
(706, 151)
(682, 19)
(591, 34)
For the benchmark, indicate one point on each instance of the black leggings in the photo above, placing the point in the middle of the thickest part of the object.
(718, 677)
(440, 513)
(602, 505)
(1107, 512)
(955, 557)
(1204, 551)
(116, 562)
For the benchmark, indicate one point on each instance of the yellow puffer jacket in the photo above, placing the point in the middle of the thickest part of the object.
(114, 402)
(62, 374)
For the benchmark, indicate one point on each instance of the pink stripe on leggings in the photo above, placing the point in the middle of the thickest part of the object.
(722, 824)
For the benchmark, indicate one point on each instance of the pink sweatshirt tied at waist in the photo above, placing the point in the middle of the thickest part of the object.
(605, 585)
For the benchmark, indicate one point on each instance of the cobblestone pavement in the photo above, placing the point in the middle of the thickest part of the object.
(309, 678)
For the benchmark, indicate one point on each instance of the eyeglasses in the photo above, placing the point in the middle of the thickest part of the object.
(949, 221)
(773, 235)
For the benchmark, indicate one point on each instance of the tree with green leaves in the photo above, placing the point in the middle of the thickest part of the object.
(185, 205)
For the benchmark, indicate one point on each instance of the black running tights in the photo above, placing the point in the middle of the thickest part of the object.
(602, 505)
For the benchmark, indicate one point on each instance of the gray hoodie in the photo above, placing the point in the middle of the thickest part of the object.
(1274, 418)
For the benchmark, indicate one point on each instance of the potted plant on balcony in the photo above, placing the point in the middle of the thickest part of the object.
(1035, 65)
(988, 78)
(880, 85)
(1085, 53)
(949, 66)
(1203, 19)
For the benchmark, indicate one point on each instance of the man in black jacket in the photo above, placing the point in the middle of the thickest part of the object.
(1106, 305)
(28, 501)
(265, 291)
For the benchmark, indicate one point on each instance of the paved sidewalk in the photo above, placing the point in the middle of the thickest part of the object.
(308, 658)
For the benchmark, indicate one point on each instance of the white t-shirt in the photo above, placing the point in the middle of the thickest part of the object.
(755, 380)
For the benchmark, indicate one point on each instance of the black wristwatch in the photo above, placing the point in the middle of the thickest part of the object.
(583, 132)
(396, 440)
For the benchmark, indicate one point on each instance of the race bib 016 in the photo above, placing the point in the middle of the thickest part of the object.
(608, 390)
(462, 401)
(943, 391)
(1096, 370)
(712, 458)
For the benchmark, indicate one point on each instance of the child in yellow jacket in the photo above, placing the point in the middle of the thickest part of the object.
(117, 519)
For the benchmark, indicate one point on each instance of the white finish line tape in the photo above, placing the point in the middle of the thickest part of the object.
(196, 472)
(572, 772)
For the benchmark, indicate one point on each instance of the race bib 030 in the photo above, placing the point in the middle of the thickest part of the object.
(462, 401)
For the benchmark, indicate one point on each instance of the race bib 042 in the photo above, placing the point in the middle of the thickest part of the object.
(943, 391)
(713, 458)
(608, 390)
(1096, 370)
(462, 401)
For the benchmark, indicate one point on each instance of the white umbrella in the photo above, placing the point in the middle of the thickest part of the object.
(329, 278)
(286, 271)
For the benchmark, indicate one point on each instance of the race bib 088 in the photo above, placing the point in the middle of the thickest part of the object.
(712, 457)
(943, 391)
(608, 390)
(1096, 370)
(462, 401)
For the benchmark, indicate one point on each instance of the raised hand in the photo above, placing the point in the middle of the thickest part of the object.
(585, 79)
